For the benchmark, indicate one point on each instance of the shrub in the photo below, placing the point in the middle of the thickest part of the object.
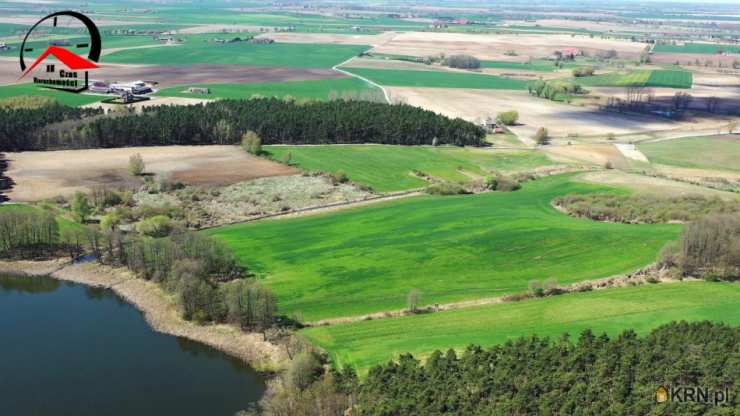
(536, 288)
(542, 137)
(339, 177)
(156, 226)
(584, 71)
(446, 188)
(136, 165)
(252, 143)
(463, 62)
(81, 207)
(413, 299)
(508, 118)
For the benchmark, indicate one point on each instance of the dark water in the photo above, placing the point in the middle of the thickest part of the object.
(68, 349)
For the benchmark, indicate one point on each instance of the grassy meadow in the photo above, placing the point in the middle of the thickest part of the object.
(388, 168)
(438, 79)
(535, 65)
(698, 48)
(314, 89)
(292, 55)
(645, 78)
(713, 152)
(452, 248)
(642, 308)
(63, 97)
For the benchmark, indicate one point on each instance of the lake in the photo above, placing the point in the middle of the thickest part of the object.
(70, 349)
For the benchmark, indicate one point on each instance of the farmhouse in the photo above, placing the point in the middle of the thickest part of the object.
(262, 41)
(567, 53)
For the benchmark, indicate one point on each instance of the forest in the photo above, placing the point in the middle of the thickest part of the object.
(275, 121)
(592, 375)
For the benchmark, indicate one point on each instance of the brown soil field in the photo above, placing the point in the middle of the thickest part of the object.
(494, 47)
(42, 175)
(330, 38)
(598, 154)
(191, 74)
(560, 119)
(686, 58)
(653, 186)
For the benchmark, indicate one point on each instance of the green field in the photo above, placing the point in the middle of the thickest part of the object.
(318, 89)
(277, 54)
(389, 168)
(438, 79)
(701, 48)
(365, 344)
(453, 248)
(536, 65)
(644, 78)
(63, 97)
(714, 152)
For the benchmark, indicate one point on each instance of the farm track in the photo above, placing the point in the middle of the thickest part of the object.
(385, 92)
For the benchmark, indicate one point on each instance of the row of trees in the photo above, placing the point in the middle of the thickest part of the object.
(554, 90)
(224, 122)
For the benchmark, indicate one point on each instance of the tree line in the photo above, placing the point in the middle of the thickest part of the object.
(224, 122)
(20, 126)
(593, 375)
(28, 233)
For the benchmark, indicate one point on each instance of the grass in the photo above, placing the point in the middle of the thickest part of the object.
(389, 168)
(365, 344)
(712, 152)
(540, 66)
(63, 97)
(277, 54)
(698, 48)
(438, 79)
(645, 78)
(318, 89)
(452, 248)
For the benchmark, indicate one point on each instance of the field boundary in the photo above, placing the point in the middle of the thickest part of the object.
(647, 274)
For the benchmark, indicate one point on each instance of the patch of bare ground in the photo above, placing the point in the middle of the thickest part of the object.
(651, 185)
(171, 75)
(597, 154)
(43, 175)
(495, 46)
(160, 310)
(331, 38)
(563, 121)
(265, 198)
(649, 274)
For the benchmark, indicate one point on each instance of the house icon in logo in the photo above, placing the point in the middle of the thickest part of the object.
(67, 78)
(661, 394)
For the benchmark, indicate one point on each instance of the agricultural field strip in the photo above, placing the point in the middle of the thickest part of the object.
(365, 344)
(373, 83)
(438, 79)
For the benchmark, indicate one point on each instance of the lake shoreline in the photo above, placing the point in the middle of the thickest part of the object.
(159, 310)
